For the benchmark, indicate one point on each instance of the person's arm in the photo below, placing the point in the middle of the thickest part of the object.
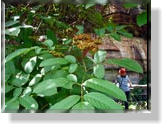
(117, 82)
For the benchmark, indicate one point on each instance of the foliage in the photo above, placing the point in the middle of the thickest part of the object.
(53, 63)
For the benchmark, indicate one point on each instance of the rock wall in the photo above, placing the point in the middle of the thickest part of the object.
(134, 48)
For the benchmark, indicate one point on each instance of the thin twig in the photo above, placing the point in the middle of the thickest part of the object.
(42, 20)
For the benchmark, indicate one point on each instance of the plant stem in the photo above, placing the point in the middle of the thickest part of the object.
(82, 90)
(82, 93)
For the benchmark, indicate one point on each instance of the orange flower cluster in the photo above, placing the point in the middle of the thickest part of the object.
(56, 54)
(86, 42)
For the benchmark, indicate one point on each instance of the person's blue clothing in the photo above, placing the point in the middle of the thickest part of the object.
(123, 83)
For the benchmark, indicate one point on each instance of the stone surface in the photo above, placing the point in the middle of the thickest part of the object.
(134, 48)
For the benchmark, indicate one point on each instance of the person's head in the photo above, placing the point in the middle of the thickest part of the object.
(122, 72)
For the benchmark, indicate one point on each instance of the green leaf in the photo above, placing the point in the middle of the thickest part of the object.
(65, 104)
(29, 64)
(101, 101)
(100, 32)
(53, 61)
(83, 107)
(17, 92)
(12, 105)
(70, 58)
(142, 19)
(46, 56)
(10, 23)
(130, 5)
(51, 35)
(127, 63)
(49, 43)
(46, 88)
(35, 79)
(20, 79)
(120, 27)
(9, 69)
(125, 33)
(49, 87)
(55, 74)
(72, 77)
(73, 68)
(28, 102)
(99, 71)
(47, 69)
(18, 53)
(110, 28)
(80, 29)
(106, 87)
(89, 5)
(100, 56)
(8, 88)
(27, 91)
(13, 31)
(116, 36)
(67, 41)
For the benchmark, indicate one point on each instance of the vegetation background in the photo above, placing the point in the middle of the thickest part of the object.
(53, 63)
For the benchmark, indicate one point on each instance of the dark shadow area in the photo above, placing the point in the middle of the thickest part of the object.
(137, 117)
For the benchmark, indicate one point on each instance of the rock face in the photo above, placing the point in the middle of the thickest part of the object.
(134, 48)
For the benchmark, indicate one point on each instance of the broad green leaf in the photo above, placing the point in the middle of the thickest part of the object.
(49, 87)
(7, 76)
(67, 41)
(53, 61)
(116, 36)
(20, 79)
(27, 91)
(106, 87)
(17, 92)
(99, 71)
(110, 28)
(38, 50)
(101, 101)
(18, 53)
(10, 23)
(142, 19)
(100, 32)
(47, 69)
(127, 63)
(89, 5)
(8, 88)
(46, 56)
(72, 77)
(65, 104)
(68, 85)
(51, 35)
(46, 88)
(28, 102)
(130, 5)
(100, 56)
(120, 27)
(35, 79)
(125, 33)
(13, 31)
(73, 68)
(55, 74)
(83, 107)
(12, 105)
(49, 43)
(29, 64)
(9, 69)
(70, 58)
(80, 29)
